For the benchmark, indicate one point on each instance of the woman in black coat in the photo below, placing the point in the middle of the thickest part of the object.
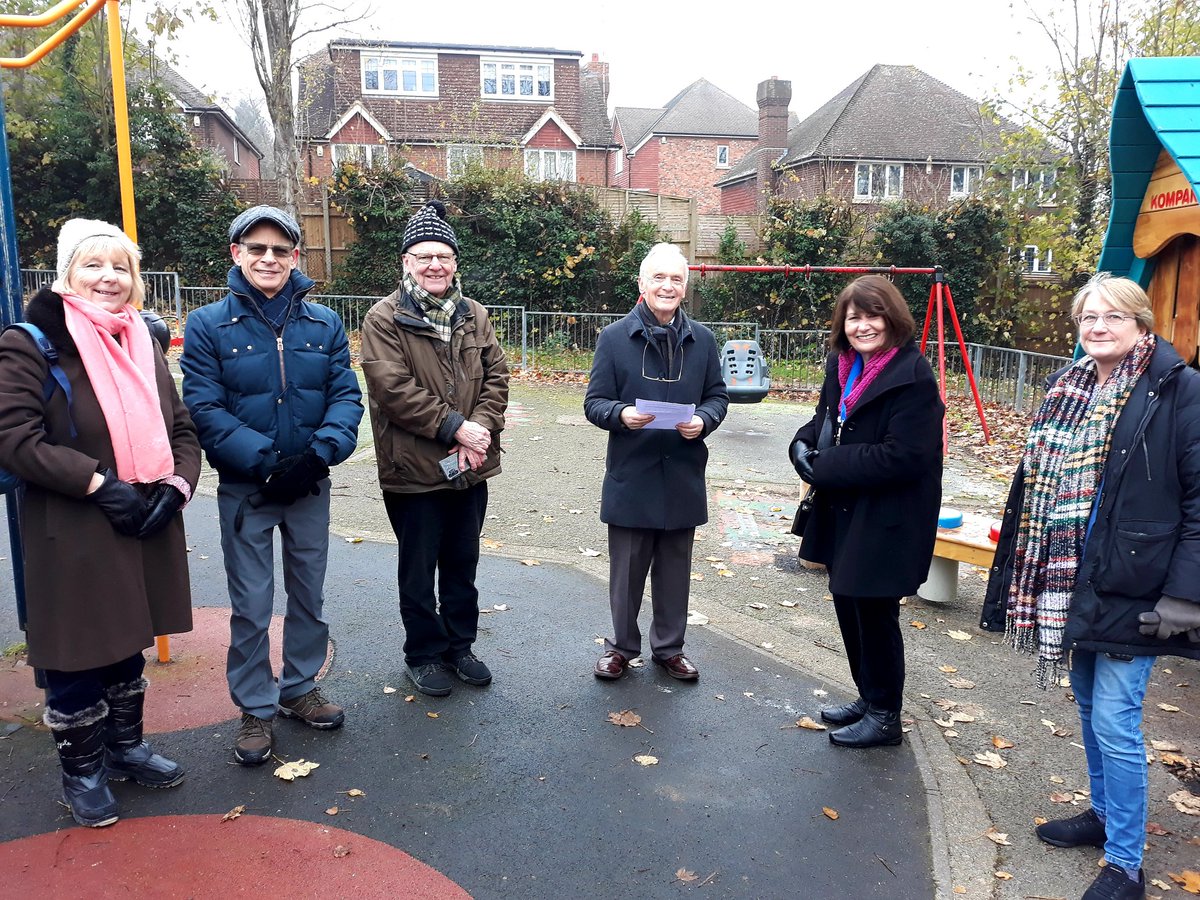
(873, 456)
(1098, 564)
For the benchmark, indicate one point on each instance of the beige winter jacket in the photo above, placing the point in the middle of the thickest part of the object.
(421, 389)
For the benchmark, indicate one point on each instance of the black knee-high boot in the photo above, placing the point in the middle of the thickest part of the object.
(127, 753)
(79, 739)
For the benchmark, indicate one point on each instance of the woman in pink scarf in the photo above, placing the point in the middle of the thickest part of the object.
(107, 471)
(873, 455)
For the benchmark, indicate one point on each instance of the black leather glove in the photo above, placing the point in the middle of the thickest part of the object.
(121, 502)
(295, 477)
(1171, 616)
(802, 454)
(164, 502)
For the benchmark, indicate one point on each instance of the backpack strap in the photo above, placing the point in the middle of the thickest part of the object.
(57, 376)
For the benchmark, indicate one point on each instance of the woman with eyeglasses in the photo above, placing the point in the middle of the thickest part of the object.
(1098, 565)
(872, 454)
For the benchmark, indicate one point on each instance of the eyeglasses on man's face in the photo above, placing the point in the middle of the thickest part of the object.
(427, 259)
(1111, 319)
(257, 250)
(658, 279)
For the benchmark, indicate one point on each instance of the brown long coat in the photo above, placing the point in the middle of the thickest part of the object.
(93, 596)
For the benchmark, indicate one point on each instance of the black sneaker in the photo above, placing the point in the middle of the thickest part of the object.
(471, 670)
(1083, 830)
(431, 679)
(1113, 884)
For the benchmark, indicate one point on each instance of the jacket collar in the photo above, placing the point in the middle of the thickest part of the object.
(635, 325)
(252, 297)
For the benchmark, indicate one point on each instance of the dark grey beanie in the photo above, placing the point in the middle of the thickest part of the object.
(429, 224)
(256, 215)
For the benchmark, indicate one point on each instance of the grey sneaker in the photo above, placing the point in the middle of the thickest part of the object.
(313, 709)
(471, 669)
(431, 679)
(254, 740)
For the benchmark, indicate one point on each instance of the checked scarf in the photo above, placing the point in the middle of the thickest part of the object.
(439, 311)
(1064, 459)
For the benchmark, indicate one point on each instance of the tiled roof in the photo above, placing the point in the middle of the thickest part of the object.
(747, 167)
(594, 126)
(314, 100)
(701, 108)
(454, 48)
(897, 112)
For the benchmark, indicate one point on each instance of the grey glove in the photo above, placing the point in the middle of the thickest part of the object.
(1171, 616)
(802, 455)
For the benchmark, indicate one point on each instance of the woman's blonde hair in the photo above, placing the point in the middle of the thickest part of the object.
(114, 247)
(1120, 293)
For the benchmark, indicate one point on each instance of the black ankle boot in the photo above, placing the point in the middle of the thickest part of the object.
(847, 714)
(79, 739)
(877, 728)
(127, 755)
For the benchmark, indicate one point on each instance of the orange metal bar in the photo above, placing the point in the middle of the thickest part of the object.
(53, 14)
(121, 117)
(55, 39)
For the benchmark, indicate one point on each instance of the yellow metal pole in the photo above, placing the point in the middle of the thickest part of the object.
(121, 117)
(54, 40)
(53, 14)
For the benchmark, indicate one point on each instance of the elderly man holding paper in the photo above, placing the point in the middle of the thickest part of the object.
(656, 387)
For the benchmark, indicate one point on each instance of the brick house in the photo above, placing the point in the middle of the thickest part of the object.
(208, 123)
(895, 133)
(441, 107)
(679, 148)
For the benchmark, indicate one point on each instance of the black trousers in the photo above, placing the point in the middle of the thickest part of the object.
(438, 534)
(874, 647)
(69, 693)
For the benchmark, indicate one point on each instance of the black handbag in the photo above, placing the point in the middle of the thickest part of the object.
(803, 511)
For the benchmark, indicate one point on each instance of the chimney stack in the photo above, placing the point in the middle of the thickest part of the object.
(773, 99)
(600, 70)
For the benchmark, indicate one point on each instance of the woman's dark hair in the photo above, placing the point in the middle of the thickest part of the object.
(872, 295)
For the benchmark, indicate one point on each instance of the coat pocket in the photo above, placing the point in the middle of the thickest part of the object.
(1140, 555)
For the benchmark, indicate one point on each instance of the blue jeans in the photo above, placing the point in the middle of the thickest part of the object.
(1109, 693)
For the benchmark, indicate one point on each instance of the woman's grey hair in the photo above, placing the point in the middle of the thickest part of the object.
(661, 253)
(1120, 293)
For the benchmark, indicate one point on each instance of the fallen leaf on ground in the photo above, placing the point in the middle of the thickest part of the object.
(432, 715)
(991, 759)
(588, 551)
(696, 576)
(1061, 797)
(1040, 820)
(530, 562)
(1165, 746)
(788, 603)
(626, 718)
(1002, 743)
(290, 771)
(959, 889)
(340, 851)
(1186, 802)
(712, 559)
(1004, 876)
(332, 811)
(233, 813)
(389, 690)
(947, 670)
(1167, 707)
(997, 837)
(959, 635)
(829, 813)
(1057, 779)
(1155, 828)
(492, 545)
(685, 875)
(920, 626)
(355, 792)
(695, 618)
(349, 540)
(963, 684)
(1189, 880)
(409, 698)
(646, 759)
(809, 723)
(757, 605)
(500, 607)
(1160, 884)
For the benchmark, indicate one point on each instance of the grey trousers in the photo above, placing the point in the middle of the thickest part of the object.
(667, 557)
(250, 570)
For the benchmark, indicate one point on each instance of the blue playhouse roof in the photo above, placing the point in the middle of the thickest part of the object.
(1157, 108)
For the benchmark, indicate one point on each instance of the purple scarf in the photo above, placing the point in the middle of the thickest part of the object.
(870, 372)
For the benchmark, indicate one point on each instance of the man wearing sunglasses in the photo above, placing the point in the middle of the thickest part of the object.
(268, 382)
(654, 493)
(437, 381)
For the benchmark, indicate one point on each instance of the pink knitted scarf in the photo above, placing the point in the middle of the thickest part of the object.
(119, 360)
(870, 372)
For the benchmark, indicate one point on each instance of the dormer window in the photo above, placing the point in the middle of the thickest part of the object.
(399, 74)
(530, 80)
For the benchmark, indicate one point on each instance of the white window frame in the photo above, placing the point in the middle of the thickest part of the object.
(722, 156)
(619, 165)
(419, 65)
(237, 152)
(549, 164)
(369, 155)
(1025, 179)
(460, 156)
(1035, 263)
(520, 79)
(972, 179)
(880, 170)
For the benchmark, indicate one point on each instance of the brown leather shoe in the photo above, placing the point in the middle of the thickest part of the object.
(679, 666)
(610, 665)
(313, 710)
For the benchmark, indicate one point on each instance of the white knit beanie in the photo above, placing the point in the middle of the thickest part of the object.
(75, 231)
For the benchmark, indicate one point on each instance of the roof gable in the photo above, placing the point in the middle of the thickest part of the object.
(357, 109)
(551, 116)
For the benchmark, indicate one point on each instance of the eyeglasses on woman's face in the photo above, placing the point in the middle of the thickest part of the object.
(1111, 319)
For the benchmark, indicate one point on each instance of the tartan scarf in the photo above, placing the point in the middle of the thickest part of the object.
(1064, 460)
(439, 311)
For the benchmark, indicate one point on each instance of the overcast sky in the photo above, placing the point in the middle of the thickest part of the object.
(656, 49)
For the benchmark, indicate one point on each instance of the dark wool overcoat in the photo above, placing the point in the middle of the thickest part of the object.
(879, 488)
(1146, 538)
(654, 478)
(94, 596)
